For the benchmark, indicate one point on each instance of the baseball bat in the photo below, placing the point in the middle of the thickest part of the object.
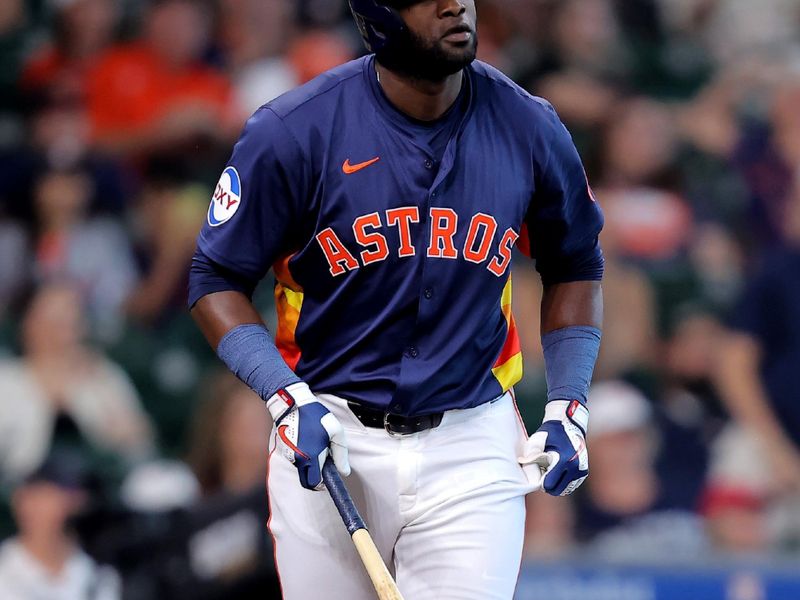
(373, 563)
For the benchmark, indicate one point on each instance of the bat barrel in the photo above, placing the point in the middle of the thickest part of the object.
(341, 498)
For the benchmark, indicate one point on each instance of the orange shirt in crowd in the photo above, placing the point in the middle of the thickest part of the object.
(130, 89)
(50, 69)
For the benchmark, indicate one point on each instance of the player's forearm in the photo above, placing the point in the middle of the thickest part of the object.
(235, 330)
(570, 304)
(572, 315)
(218, 313)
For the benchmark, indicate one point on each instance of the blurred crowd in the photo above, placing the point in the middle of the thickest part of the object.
(132, 466)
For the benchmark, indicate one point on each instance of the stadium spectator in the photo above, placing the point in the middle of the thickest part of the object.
(640, 146)
(156, 94)
(624, 515)
(169, 212)
(584, 61)
(229, 549)
(629, 311)
(62, 392)
(736, 500)
(213, 547)
(82, 29)
(690, 412)
(637, 183)
(58, 140)
(768, 155)
(94, 252)
(314, 52)
(758, 370)
(736, 519)
(718, 262)
(253, 35)
(229, 438)
(44, 560)
(549, 528)
(512, 32)
(747, 116)
(14, 271)
(13, 36)
(737, 28)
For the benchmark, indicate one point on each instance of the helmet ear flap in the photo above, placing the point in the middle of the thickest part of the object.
(369, 30)
(377, 21)
(376, 32)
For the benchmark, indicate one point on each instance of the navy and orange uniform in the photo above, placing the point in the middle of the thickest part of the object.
(391, 240)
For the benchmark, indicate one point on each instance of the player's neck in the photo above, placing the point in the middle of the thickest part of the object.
(420, 99)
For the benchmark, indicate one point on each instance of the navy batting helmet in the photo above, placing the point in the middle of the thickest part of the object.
(378, 21)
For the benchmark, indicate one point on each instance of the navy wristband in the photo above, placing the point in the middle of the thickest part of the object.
(569, 357)
(248, 351)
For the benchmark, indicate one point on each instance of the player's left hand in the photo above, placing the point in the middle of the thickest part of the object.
(555, 457)
(306, 433)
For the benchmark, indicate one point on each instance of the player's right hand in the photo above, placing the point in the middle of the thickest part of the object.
(306, 431)
(555, 457)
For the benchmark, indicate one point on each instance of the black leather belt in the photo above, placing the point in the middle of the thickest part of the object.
(394, 424)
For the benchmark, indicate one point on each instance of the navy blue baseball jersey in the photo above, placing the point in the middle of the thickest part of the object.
(391, 240)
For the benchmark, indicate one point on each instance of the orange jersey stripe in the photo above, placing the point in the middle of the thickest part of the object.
(282, 273)
(511, 347)
(507, 368)
(288, 304)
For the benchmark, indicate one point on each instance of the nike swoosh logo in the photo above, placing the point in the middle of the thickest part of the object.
(282, 432)
(350, 169)
(578, 452)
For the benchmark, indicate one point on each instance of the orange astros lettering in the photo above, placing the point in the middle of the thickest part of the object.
(350, 169)
(378, 234)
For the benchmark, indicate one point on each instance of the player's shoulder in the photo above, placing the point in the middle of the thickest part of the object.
(313, 105)
(320, 93)
(498, 89)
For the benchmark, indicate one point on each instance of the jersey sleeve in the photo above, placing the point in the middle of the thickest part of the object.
(563, 220)
(257, 205)
(207, 277)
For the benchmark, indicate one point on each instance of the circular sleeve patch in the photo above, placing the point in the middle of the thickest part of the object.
(226, 199)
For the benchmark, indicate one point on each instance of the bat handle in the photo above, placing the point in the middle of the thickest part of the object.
(385, 586)
(341, 498)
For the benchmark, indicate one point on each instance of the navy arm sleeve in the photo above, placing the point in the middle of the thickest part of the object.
(564, 220)
(207, 277)
(257, 207)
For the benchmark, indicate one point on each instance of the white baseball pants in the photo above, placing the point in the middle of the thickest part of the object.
(446, 508)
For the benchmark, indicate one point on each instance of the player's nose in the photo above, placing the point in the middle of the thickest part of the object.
(451, 8)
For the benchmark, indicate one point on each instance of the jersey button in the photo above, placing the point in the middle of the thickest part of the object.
(412, 352)
(428, 164)
(428, 293)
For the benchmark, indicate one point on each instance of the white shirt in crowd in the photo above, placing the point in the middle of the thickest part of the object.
(23, 578)
(105, 407)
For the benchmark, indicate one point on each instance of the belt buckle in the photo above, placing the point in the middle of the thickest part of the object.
(386, 426)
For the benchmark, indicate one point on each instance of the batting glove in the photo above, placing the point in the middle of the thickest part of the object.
(306, 431)
(555, 457)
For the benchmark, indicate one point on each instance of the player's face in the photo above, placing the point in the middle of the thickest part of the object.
(441, 40)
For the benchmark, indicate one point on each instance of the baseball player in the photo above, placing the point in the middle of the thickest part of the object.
(387, 196)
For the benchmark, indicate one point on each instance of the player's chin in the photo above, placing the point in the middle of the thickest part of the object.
(456, 56)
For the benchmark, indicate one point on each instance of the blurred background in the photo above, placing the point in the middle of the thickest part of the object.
(132, 466)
